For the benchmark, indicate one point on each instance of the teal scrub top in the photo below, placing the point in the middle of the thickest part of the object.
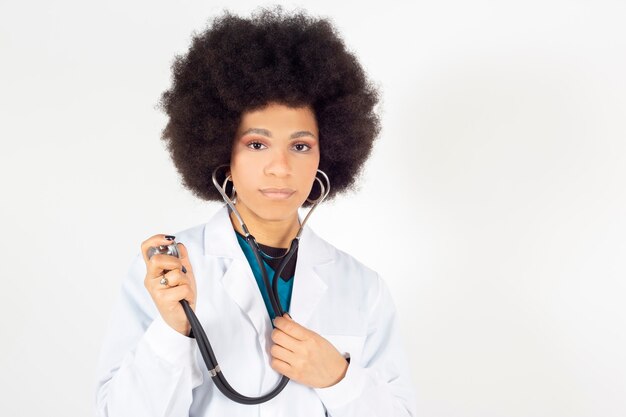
(285, 286)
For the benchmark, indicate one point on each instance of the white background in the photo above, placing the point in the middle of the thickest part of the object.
(494, 202)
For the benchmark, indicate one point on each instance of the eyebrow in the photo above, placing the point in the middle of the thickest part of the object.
(265, 132)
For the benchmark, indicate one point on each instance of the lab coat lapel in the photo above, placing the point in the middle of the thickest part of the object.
(238, 280)
(309, 287)
(240, 285)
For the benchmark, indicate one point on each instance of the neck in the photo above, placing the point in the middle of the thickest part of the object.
(274, 233)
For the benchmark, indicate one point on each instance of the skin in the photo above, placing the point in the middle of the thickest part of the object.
(305, 356)
(273, 165)
(275, 147)
(180, 285)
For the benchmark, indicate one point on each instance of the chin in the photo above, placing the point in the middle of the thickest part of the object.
(268, 209)
(275, 210)
(276, 213)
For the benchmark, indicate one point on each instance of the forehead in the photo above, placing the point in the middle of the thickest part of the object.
(278, 118)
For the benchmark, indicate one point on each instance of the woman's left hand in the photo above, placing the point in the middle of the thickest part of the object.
(304, 356)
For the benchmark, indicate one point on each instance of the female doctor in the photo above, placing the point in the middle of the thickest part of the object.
(262, 103)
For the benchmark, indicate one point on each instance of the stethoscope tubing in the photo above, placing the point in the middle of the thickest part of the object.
(216, 374)
(207, 351)
(204, 345)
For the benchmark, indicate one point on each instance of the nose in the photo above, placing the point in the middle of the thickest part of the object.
(278, 164)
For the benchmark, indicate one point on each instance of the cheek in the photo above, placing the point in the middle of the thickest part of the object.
(243, 170)
(308, 176)
(314, 165)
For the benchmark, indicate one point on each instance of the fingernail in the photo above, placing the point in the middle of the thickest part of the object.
(184, 269)
(169, 237)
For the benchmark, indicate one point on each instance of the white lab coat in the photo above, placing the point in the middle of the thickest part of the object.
(146, 368)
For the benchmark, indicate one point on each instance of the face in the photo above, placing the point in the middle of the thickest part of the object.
(274, 161)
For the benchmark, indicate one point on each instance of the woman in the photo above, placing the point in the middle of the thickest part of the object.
(274, 98)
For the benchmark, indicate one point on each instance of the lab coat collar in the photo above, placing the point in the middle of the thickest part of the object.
(238, 280)
(219, 237)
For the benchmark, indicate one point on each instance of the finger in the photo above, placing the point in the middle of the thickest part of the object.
(174, 279)
(184, 258)
(182, 251)
(292, 328)
(281, 367)
(161, 262)
(154, 283)
(283, 339)
(283, 354)
(156, 240)
(173, 294)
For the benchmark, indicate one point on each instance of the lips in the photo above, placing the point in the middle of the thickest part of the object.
(277, 193)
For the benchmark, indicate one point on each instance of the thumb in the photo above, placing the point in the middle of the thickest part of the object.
(182, 251)
(184, 256)
(184, 259)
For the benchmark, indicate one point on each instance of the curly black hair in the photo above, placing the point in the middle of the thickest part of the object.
(240, 64)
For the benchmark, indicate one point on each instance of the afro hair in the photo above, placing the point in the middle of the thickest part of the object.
(239, 64)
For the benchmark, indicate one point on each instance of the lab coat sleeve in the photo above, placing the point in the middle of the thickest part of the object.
(146, 368)
(379, 385)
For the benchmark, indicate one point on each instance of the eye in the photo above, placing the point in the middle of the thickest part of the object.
(301, 147)
(257, 146)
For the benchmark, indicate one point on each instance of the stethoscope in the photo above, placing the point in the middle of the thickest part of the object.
(203, 342)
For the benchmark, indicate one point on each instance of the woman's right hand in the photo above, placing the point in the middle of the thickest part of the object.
(180, 285)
